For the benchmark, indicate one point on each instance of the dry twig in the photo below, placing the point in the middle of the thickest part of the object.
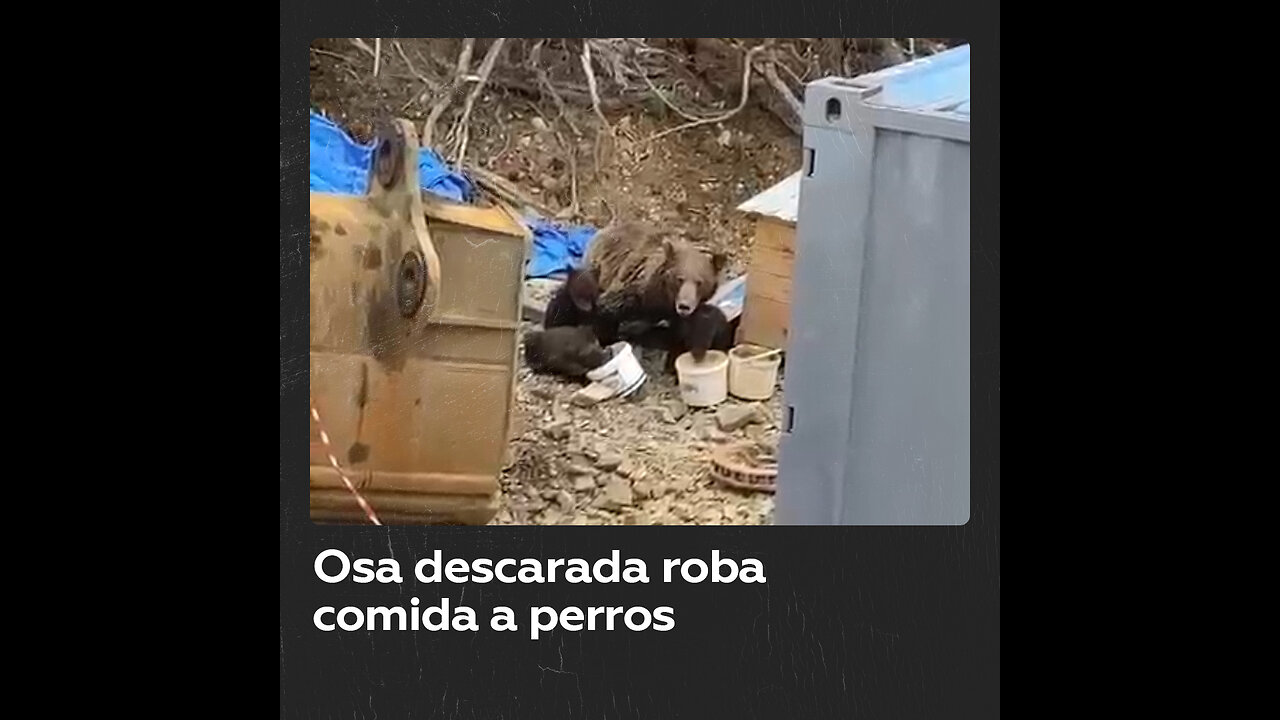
(746, 91)
(570, 152)
(360, 43)
(591, 81)
(667, 102)
(771, 74)
(497, 185)
(464, 62)
(339, 56)
(535, 62)
(432, 85)
(486, 67)
(377, 55)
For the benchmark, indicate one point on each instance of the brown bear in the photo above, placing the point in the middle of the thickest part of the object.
(574, 303)
(707, 328)
(643, 274)
(571, 351)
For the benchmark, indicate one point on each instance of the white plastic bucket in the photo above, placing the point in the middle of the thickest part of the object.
(752, 379)
(703, 384)
(622, 372)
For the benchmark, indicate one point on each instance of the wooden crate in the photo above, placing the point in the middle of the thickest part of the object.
(768, 305)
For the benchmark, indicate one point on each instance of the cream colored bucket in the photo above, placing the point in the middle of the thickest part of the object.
(753, 372)
(703, 384)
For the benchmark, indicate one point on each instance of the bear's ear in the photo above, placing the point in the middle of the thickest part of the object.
(669, 248)
(718, 261)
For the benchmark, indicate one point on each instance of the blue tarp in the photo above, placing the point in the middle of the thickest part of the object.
(556, 247)
(341, 165)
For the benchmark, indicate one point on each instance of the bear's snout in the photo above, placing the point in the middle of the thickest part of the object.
(687, 299)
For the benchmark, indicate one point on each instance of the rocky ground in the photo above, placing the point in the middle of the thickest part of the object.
(640, 461)
(636, 461)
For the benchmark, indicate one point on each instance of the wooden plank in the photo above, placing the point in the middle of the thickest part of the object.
(768, 304)
(774, 234)
(769, 287)
(764, 323)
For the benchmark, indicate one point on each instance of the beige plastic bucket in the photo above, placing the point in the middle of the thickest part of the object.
(752, 379)
(703, 384)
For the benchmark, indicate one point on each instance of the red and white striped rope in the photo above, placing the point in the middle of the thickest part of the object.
(328, 448)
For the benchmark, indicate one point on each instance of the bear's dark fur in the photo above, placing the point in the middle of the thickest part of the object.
(645, 275)
(571, 351)
(575, 302)
(706, 329)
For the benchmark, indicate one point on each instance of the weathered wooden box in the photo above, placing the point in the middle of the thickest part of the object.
(415, 311)
(768, 305)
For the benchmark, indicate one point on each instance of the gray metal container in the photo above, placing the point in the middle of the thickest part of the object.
(876, 389)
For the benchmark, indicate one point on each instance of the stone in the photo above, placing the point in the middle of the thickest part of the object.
(609, 461)
(673, 410)
(591, 395)
(542, 393)
(584, 483)
(735, 417)
(617, 493)
(558, 429)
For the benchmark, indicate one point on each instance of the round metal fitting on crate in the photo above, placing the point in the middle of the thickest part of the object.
(411, 283)
(388, 156)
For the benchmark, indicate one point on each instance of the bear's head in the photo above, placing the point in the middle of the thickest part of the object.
(587, 350)
(690, 275)
(706, 328)
(583, 289)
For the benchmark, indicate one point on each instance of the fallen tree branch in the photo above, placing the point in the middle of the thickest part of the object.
(771, 74)
(573, 94)
(464, 62)
(360, 43)
(570, 152)
(665, 101)
(506, 191)
(746, 91)
(591, 81)
(339, 56)
(432, 85)
(535, 62)
(486, 67)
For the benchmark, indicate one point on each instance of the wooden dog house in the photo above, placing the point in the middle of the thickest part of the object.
(767, 308)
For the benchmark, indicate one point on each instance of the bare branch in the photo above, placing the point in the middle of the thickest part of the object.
(667, 102)
(771, 74)
(505, 190)
(464, 62)
(591, 81)
(432, 85)
(486, 67)
(746, 91)
(347, 58)
(360, 43)
(377, 55)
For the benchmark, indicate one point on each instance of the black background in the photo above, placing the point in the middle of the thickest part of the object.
(853, 622)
